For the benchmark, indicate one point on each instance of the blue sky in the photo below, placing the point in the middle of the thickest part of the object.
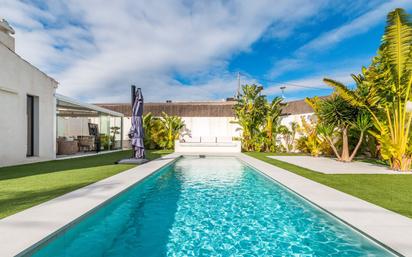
(192, 50)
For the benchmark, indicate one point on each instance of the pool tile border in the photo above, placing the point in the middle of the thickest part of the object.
(386, 227)
(24, 231)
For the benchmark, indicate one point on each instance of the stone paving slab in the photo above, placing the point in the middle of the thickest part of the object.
(332, 166)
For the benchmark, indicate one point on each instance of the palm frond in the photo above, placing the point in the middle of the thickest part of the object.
(396, 43)
(345, 92)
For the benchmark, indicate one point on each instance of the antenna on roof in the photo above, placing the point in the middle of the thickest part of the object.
(238, 85)
(283, 91)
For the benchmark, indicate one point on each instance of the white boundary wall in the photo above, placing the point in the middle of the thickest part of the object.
(223, 147)
(287, 120)
(196, 127)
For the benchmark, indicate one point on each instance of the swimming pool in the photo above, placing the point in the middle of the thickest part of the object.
(214, 206)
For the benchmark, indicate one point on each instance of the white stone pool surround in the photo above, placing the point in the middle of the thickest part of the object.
(332, 166)
(24, 231)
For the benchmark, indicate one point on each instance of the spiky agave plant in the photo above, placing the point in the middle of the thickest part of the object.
(336, 117)
(384, 88)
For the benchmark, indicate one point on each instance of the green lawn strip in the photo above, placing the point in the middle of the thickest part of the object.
(393, 192)
(24, 186)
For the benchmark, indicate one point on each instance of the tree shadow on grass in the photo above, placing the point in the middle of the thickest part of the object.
(25, 170)
(21, 200)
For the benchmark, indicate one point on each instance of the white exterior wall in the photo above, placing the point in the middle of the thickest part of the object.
(205, 127)
(210, 127)
(18, 79)
(287, 120)
(228, 147)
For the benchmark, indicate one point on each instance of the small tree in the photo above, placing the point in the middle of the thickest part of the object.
(271, 123)
(114, 131)
(250, 112)
(310, 140)
(148, 124)
(293, 129)
(171, 126)
(286, 135)
(336, 117)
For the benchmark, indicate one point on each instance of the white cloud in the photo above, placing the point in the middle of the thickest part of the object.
(284, 65)
(97, 50)
(313, 82)
(357, 26)
(300, 58)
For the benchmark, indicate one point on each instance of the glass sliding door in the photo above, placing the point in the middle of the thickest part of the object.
(105, 132)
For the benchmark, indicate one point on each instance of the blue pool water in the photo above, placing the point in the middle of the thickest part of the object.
(209, 207)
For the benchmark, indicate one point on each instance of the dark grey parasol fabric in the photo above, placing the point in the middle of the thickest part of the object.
(136, 130)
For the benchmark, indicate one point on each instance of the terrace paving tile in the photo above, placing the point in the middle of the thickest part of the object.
(331, 166)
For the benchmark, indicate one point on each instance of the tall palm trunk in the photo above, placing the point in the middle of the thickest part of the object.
(356, 147)
(345, 145)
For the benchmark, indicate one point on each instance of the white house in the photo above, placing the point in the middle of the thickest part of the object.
(35, 123)
(209, 122)
(27, 104)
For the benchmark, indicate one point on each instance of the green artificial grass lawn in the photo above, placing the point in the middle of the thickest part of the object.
(393, 192)
(24, 186)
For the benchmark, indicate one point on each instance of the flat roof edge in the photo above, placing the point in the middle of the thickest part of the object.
(87, 105)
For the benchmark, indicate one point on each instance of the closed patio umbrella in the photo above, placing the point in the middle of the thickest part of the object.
(136, 131)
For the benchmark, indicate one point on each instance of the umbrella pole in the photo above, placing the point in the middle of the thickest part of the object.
(136, 133)
(133, 93)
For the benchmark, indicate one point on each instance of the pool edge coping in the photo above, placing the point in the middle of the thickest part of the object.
(44, 221)
(386, 227)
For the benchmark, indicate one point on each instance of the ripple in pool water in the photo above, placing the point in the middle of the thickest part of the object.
(210, 207)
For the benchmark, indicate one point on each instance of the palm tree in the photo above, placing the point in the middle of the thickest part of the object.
(336, 116)
(312, 141)
(335, 112)
(286, 135)
(271, 122)
(362, 124)
(171, 125)
(384, 89)
(293, 129)
(250, 112)
(148, 124)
